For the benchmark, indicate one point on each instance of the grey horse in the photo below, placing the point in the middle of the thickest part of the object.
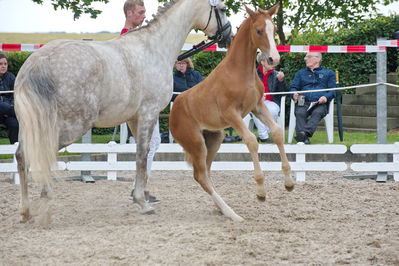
(68, 87)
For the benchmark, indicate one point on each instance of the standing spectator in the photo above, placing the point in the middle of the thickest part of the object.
(135, 14)
(311, 107)
(7, 113)
(273, 81)
(185, 76)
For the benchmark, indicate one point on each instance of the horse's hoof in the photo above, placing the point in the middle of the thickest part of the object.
(148, 212)
(289, 188)
(25, 219)
(25, 216)
(261, 198)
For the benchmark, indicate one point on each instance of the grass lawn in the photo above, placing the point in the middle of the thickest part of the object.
(350, 138)
(320, 137)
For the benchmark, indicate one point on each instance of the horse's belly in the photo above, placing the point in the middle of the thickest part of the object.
(112, 120)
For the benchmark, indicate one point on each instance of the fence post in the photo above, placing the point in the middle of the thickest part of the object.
(86, 175)
(395, 158)
(300, 158)
(112, 158)
(381, 108)
(16, 175)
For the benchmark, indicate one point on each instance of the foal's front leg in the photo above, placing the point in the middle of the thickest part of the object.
(264, 115)
(250, 140)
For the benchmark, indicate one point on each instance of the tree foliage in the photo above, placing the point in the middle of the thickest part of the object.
(321, 15)
(76, 6)
(299, 15)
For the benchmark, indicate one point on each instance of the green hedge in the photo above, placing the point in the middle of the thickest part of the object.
(16, 60)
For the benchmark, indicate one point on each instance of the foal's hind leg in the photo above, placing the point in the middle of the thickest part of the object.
(264, 115)
(187, 133)
(198, 155)
(22, 171)
(213, 139)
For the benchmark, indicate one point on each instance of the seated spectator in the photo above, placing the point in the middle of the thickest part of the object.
(311, 107)
(185, 76)
(7, 113)
(273, 81)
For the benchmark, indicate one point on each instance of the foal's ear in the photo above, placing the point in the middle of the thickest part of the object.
(274, 9)
(251, 13)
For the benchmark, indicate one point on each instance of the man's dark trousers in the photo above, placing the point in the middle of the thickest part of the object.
(307, 121)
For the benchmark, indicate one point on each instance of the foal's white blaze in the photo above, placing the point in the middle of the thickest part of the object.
(270, 36)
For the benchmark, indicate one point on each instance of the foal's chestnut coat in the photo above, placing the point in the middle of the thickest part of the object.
(230, 92)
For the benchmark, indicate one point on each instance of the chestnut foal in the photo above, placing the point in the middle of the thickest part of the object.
(228, 94)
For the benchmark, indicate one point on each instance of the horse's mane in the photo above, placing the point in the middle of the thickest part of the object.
(161, 10)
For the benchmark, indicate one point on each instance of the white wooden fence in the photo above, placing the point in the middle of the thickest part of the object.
(299, 166)
(378, 166)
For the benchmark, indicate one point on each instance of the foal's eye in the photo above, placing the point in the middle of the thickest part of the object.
(223, 9)
(259, 32)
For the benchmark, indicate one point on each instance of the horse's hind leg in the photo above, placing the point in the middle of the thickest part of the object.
(22, 171)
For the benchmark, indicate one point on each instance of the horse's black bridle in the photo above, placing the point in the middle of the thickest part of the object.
(220, 36)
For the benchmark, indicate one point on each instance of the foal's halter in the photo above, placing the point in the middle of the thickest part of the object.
(214, 39)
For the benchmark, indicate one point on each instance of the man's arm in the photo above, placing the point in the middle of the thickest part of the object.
(331, 83)
(281, 85)
(296, 86)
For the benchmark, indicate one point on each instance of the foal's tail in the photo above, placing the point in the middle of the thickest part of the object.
(36, 110)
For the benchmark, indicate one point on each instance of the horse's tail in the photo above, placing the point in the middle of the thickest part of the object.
(36, 110)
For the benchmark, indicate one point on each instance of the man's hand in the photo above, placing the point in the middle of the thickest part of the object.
(280, 76)
(322, 99)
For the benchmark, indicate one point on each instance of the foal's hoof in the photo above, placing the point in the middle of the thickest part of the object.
(261, 198)
(290, 187)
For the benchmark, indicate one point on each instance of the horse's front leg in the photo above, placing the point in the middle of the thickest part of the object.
(264, 115)
(144, 132)
(249, 138)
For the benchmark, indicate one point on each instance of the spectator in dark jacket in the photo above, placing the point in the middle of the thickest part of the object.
(185, 76)
(7, 113)
(273, 81)
(311, 107)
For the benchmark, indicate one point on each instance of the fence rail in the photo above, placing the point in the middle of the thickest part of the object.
(299, 166)
(378, 166)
